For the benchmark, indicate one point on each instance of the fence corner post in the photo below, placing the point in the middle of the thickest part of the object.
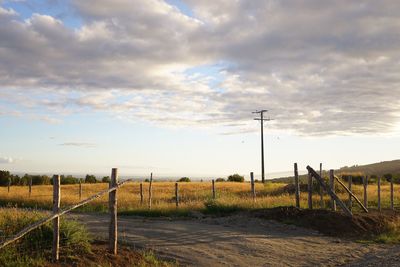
(56, 221)
(112, 206)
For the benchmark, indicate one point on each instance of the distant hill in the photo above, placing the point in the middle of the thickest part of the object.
(378, 169)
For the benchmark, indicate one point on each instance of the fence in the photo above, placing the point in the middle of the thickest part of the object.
(325, 186)
(57, 213)
(330, 190)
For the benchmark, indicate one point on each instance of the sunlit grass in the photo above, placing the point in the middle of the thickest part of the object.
(193, 197)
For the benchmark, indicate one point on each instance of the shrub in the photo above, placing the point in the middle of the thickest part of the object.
(106, 179)
(5, 176)
(69, 180)
(184, 179)
(388, 176)
(220, 180)
(90, 179)
(235, 178)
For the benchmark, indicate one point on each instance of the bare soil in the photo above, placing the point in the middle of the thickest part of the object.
(361, 225)
(246, 240)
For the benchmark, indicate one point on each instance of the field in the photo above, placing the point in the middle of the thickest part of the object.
(248, 219)
(194, 196)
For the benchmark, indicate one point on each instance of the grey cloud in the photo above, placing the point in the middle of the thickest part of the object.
(320, 67)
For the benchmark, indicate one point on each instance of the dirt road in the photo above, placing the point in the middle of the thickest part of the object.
(238, 241)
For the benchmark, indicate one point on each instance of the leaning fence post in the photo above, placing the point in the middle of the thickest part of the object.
(150, 190)
(112, 207)
(253, 189)
(365, 182)
(30, 186)
(56, 221)
(350, 198)
(310, 185)
(213, 189)
(332, 185)
(141, 194)
(379, 193)
(391, 194)
(321, 192)
(296, 186)
(176, 195)
(80, 189)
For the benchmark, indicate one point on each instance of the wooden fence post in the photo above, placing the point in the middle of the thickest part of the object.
(321, 192)
(213, 189)
(351, 194)
(56, 221)
(365, 182)
(9, 185)
(332, 185)
(176, 195)
(391, 194)
(80, 189)
(141, 194)
(30, 186)
(253, 188)
(350, 186)
(297, 186)
(379, 193)
(150, 190)
(112, 207)
(310, 187)
(329, 191)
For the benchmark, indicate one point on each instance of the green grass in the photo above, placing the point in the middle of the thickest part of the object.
(34, 249)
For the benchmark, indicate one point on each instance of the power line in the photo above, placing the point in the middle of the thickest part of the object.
(262, 119)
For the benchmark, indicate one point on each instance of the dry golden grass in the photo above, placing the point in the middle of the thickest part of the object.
(193, 196)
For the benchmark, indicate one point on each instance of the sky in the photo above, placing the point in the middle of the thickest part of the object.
(169, 87)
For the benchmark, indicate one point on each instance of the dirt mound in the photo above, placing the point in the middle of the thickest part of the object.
(333, 223)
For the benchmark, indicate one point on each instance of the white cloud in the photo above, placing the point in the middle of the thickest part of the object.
(79, 144)
(320, 67)
(6, 160)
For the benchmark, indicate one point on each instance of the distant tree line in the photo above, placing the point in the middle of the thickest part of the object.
(6, 177)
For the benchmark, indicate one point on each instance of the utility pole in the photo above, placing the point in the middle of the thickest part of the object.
(262, 119)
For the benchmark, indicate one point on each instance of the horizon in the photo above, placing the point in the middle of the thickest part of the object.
(170, 86)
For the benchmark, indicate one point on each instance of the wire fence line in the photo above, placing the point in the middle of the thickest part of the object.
(61, 212)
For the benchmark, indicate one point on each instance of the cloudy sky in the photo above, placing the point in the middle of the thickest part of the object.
(169, 86)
